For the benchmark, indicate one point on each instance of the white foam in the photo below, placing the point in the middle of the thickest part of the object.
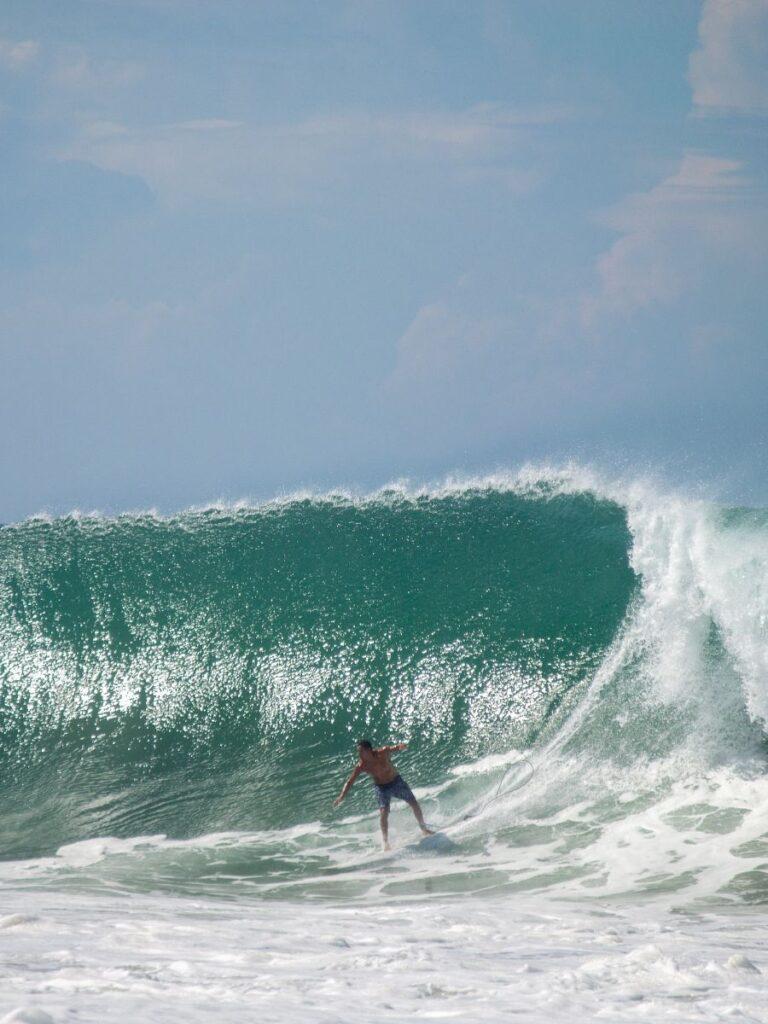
(27, 1015)
(15, 920)
(154, 957)
(489, 763)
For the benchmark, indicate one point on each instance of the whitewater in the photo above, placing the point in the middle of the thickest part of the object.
(180, 697)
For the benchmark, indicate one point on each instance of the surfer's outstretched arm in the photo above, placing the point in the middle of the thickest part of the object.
(394, 749)
(347, 785)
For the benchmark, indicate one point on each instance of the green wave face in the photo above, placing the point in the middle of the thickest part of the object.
(212, 671)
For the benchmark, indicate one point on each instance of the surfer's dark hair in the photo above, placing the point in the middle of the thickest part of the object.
(365, 744)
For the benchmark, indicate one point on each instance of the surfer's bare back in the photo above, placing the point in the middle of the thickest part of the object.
(387, 782)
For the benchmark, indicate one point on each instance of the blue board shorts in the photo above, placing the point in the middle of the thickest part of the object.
(397, 787)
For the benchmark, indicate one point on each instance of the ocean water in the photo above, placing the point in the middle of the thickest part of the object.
(579, 666)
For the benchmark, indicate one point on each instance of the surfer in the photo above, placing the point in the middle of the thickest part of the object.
(387, 782)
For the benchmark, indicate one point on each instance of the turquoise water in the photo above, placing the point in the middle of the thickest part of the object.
(212, 670)
(207, 674)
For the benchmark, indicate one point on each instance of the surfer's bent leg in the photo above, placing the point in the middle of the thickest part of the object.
(414, 805)
(401, 788)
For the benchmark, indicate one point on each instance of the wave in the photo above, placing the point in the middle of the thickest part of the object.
(208, 673)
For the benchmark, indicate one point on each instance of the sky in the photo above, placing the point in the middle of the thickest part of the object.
(249, 247)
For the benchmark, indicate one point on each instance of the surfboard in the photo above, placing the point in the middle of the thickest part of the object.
(437, 843)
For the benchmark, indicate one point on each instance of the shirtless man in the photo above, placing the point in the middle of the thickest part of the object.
(387, 782)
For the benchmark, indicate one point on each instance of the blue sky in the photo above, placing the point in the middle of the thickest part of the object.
(252, 246)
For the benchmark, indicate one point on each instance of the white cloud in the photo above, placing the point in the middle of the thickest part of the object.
(75, 71)
(480, 125)
(729, 70)
(691, 216)
(698, 213)
(16, 55)
(437, 343)
(231, 160)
